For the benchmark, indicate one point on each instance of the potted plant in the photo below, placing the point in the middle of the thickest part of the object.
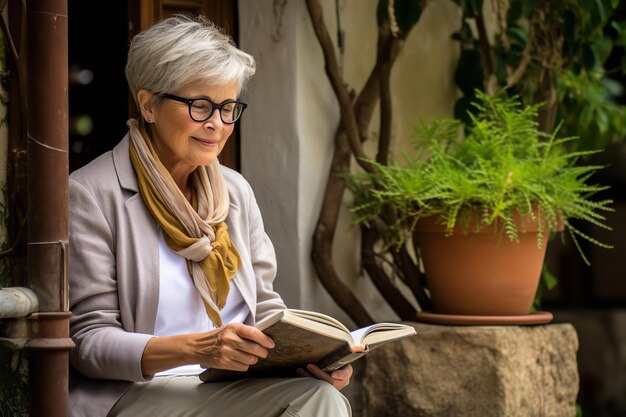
(502, 189)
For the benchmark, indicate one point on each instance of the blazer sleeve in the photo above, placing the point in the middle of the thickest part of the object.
(263, 258)
(104, 349)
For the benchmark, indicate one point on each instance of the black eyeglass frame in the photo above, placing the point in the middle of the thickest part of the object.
(214, 106)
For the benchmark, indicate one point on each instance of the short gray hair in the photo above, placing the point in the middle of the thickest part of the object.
(182, 49)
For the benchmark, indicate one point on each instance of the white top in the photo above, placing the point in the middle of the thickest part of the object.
(181, 309)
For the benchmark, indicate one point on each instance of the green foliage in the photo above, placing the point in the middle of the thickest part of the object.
(503, 166)
(13, 379)
(13, 385)
(547, 282)
(13, 374)
(590, 109)
(573, 42)
(13, 370)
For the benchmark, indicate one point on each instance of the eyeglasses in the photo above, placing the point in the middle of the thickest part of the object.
(201, 109)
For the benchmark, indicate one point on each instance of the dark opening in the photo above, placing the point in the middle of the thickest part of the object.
(98, 93)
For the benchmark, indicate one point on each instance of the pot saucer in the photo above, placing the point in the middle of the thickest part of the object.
(538, 317)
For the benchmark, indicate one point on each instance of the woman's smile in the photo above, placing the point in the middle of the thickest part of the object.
(207, 142)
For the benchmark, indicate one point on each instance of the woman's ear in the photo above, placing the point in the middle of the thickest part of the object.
(146, 104)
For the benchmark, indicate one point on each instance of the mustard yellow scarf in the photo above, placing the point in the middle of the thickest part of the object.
(194, 230)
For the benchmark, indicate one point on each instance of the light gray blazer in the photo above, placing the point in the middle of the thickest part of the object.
(114, 275)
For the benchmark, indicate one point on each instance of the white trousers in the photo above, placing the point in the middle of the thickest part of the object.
(171, 396)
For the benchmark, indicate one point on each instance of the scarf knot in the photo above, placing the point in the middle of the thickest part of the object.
(197, 251)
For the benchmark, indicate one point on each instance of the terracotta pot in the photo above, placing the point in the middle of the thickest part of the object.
(480, 273)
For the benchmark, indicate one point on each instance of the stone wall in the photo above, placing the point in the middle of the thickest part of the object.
(480, 371)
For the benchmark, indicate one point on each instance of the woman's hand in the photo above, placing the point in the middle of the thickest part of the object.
(339, 378)
(234, 346)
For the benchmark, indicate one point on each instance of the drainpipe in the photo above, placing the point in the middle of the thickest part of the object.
(47, 205)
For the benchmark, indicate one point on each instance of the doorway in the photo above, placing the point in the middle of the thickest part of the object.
(99, 102)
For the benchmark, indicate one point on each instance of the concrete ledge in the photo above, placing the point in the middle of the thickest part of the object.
(481, 371)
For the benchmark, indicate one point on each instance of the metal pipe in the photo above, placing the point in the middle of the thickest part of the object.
(47, 204)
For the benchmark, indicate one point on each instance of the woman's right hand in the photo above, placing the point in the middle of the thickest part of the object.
(235, 346)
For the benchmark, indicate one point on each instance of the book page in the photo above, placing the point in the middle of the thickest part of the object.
(380, 333)
(315, 322)
(319, 317)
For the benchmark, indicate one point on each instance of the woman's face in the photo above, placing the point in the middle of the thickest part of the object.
(182, 143)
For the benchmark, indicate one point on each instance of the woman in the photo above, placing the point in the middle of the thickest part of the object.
(170, 265)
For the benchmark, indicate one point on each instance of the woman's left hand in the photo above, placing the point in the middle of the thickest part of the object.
(339, 378)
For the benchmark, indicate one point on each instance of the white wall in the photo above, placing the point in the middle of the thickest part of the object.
(288, 131)
(270, 143)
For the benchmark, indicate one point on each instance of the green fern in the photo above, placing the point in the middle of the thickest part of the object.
(503, 166)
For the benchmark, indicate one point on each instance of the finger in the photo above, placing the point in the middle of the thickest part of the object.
(253, 334)
(319, 374)
(245, 358)
(339, 378)
(235, 337)
(250, 348)
(344, 373)
(223, 348)
(324, 376)
(232, 361)
(316, 372)
(242, 361)
(232, 357)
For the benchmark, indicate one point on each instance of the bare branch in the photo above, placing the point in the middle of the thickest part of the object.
(385, 105)
(413, 278)
(348, 119)
(521, 68)
(490, 79)
(355, 120)
(380, 279)
(323, 237)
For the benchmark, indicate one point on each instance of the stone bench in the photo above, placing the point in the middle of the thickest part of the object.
(474, 371)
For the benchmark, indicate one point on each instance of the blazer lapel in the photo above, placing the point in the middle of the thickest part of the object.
(139, 235)
(243, 285)
(123, 166)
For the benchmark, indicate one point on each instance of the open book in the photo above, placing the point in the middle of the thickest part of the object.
(303, 337)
